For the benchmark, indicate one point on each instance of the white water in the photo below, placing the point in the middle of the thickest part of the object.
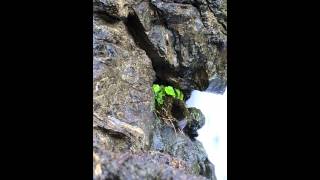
(213, 134)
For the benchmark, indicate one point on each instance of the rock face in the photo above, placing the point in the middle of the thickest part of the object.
(149, 165)
(186, 41)
(123, 77)
(181, 43)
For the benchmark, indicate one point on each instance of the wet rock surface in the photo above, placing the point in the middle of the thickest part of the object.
(187, 40)
(148, 165)
(217, 85)
(195, 120)
(181, 43)
(179, 145)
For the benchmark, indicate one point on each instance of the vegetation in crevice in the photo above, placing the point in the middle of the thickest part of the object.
(160, 91)
(166, 99)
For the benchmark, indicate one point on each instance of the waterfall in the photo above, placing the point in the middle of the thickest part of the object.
(213, 134)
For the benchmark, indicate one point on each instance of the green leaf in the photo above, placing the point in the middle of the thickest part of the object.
(156, 88)
(178, 93)
(170, 91)
(159, 96)
(160, 100)
(160, 91)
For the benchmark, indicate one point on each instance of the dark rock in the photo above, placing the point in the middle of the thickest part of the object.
(147, 165)
(190, 151)
(185, 41)
(182, 124)
(195, 120)
(182, 43)
(157, 142)
(123, 77)
(219, 8)
(117, 9)
(217, 85)
(181, 144)
(179, 110)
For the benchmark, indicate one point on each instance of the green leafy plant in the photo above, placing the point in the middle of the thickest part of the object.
(161, 91)
(179, 94)
(170, 91)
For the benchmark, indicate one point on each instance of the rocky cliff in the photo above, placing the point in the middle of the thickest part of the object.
(181, 43)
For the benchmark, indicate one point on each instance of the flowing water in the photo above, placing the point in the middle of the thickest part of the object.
(213, 134)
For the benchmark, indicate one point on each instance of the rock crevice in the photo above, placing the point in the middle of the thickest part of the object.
(181, 43)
